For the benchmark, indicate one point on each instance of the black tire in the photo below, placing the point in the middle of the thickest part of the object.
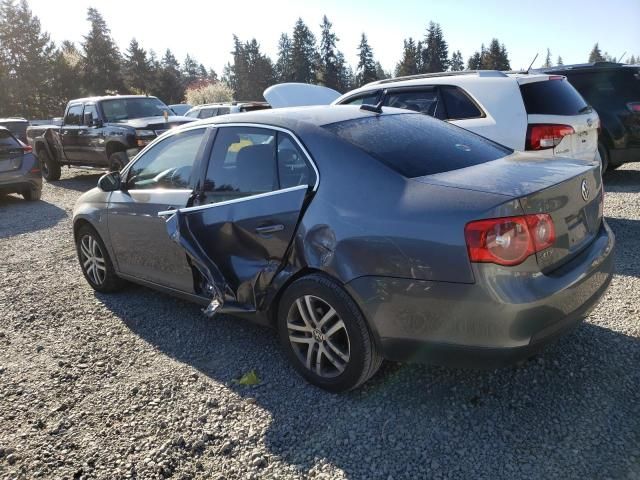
(32, 194)
(604, 157)
(363, 358)
(109, 281)
(117, 161)
(49, 167)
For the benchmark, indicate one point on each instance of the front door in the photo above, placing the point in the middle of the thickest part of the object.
(91, 138)
(159, 180)
(237, 237)
(69, 133)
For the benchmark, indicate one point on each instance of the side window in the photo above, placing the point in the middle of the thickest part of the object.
(192, 113)
(74, 115)
(167, 164)
(89, 110)
(423, 101)
(223, 111)
(207, 112)
(292, 167)
(370, 98)
(242, 163)
(458, 104)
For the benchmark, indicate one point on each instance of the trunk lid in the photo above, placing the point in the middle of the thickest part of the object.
(570, 191)
(299, 95)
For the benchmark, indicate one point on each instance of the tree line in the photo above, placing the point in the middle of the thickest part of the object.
(38, 77)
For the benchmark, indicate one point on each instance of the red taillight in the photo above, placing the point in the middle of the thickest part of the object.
(541, 136)
(634, 107)
(25, 147)
(510, 240)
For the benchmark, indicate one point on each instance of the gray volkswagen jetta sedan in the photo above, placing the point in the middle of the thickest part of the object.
(359, 233)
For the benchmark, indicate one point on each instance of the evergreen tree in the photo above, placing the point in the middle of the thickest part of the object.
(596, 54)
(328, 74)
(170, 85)
(381, 74)
(547, 60)
(366, 70)
(411, 59)
(191, 72)
(345, 74)
(476, 60)
(559, 61)
(25, 52)
(65, 71)
(251, 71)
(496, 57)
(456, 64)
(435, 53)
(284, 65)
(137, 69)
(101, 58)
(303, 53)
(632, 60)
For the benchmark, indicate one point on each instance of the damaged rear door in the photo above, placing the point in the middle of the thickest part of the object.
(245, 216)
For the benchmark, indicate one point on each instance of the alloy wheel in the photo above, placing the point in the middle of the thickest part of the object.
(318, 336)
(92, 259)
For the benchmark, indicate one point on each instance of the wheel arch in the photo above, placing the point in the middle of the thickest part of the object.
(114, 146)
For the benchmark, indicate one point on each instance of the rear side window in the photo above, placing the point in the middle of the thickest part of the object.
(423, 101)
(552, 97)
(458, 105)
(208, 112)
(74, 115)
(417, 145)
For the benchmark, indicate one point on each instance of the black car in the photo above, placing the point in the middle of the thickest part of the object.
(613, 89)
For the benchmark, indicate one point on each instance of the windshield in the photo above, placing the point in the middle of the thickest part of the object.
(120, 109)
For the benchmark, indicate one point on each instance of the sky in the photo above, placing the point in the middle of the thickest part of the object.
(204, 29)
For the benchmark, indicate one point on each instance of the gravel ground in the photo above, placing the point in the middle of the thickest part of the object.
(141, 385)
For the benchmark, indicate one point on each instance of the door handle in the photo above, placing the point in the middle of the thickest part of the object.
(267, 229)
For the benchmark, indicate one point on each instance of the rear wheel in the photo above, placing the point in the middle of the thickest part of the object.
(117, 161)
(604, 157)
(325, 335)
(32, 194)
(95, 261)
(50, 168)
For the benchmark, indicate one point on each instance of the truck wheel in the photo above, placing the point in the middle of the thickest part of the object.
(117, 161)
(50, 168)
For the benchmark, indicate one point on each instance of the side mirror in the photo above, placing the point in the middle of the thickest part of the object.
(110, 182)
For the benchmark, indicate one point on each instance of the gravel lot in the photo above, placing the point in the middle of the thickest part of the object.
(141, 385)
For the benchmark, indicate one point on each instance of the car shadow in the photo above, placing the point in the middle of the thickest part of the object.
(627, 233)
(541, 420)
(18, 216)
(624, 181)
(80, 183)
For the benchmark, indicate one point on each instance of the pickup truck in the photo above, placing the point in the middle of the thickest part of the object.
(100, 132)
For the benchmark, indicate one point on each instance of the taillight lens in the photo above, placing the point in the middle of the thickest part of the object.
(26, 148)
(510, 240)
(634, 107)
(541, 136)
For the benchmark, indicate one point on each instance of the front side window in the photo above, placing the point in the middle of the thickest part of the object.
(422, 100)
(168, 164)
(74, 115)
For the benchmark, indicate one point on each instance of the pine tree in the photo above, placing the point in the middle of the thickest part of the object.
(547, 60)
(101, 58)
(411, 59)
(435, 54)
(64, 74)
(496, 57)
(303, 53)
(456, 64)
(170, 85)
(596, 54)
(25, 52)
(381, 74)
(366, 70)
(328, 74)
(137, 69)
(284, 64)
(559, 61)
(251, 71)
(191, 72)
(346, 81)
(476, 60)
(632, 60)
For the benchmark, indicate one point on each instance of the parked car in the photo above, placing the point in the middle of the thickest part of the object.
(17, 126)
(541, 112)
(614, 91)
(180, 108)
(359, 234)
(19, 167)
(101, 132)
(209, 110)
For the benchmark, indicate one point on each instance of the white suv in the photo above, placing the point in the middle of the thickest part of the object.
(209, 110)
(519, 110)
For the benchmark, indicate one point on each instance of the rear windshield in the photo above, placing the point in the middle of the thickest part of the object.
(415, 145)
(18, 128)
(623, 83)
(552, 97)
(7, 140)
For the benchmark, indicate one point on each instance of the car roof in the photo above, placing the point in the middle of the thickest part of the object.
(588, 67)
(107, 97)
(292, 117)
(228, 104)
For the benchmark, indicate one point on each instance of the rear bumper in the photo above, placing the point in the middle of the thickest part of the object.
(618, 156)
(23, 178)
(498, 320)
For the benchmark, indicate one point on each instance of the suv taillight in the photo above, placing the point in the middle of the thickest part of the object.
(26, 148)
(634, 107)
(541, 136)
(509, 240)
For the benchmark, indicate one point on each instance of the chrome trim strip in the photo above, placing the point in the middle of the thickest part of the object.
(229, 202)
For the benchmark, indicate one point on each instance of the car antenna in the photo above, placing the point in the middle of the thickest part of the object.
(377, 108)
(531, 64)
(621, 57)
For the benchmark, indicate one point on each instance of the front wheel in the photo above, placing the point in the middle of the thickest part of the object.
(95, 261)
(325, 335)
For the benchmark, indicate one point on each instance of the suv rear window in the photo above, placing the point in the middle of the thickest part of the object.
(7, 140)
(415, 145)
(623, 83)
(552, 97)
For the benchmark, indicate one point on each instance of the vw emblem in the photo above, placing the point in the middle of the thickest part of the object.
(584, 189)
(589, 122)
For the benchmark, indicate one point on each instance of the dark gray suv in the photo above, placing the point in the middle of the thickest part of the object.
(19, 168)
